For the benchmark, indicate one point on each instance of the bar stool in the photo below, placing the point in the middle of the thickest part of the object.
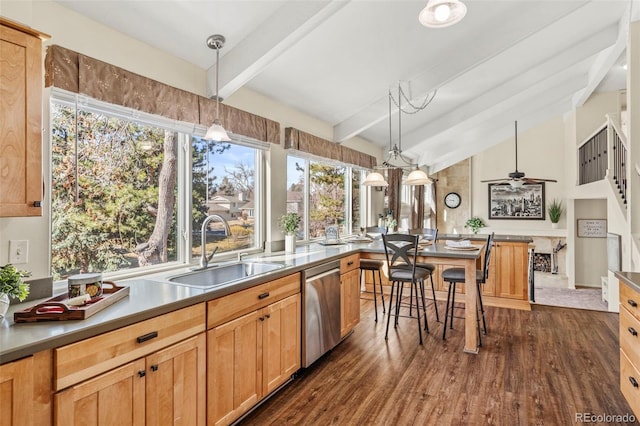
(428, 234)
(457, 275)
(401, 251)
(374, 266)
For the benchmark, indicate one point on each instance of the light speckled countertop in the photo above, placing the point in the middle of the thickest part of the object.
(153, 295)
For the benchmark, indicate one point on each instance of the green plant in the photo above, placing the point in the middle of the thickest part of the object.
(290, 222)
(11, 282)
(475, 223)
(555, 210)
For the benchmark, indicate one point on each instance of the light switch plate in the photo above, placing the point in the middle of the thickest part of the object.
(18, 251)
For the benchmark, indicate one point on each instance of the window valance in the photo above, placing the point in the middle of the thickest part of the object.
(78, 73)
(306, 142)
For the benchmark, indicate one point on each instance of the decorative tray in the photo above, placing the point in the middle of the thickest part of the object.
(55, 309)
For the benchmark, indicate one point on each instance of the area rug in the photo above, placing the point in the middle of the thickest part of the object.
(581, 298)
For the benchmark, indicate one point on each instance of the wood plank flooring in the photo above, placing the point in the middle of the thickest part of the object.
(535, 367)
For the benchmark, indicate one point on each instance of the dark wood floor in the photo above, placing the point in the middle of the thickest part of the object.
(537, 367)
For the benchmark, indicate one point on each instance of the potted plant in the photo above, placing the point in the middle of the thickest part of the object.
(12, 286)
(555, 210)
(475, 223)
(290, 223)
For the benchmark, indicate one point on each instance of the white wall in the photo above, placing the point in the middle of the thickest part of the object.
(72, 31)
(594, 249)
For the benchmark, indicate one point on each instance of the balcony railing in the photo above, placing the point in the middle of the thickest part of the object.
(602, 154)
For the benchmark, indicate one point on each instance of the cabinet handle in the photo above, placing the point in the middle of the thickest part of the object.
(37, 204)
(154, 367)
(263, 295)
(268, 316)
(633, 381)
(632, 331)
(261, 318)
(147, 336)
(350, 263)
(142, 373)
(632, 303)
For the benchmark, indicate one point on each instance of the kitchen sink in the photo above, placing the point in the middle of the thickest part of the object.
(223, 274)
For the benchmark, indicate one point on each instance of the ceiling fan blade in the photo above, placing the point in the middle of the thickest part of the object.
(496, 180)
(537, 180)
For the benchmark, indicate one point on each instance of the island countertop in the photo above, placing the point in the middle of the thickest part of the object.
(630, 278)
(152, 295)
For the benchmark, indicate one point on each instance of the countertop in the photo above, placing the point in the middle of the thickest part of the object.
(630, 278)
(153, 295)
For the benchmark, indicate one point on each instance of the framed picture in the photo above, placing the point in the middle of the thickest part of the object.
(523, 202)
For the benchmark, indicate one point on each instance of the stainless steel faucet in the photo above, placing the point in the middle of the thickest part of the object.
(204, 258)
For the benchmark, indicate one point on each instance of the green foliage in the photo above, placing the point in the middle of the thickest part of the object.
(290, 222)
(11, 282)
(475, 224)
(326, 193)
(555, 210)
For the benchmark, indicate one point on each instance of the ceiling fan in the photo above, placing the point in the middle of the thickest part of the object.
(516, 178)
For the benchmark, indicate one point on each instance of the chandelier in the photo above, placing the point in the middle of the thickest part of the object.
(395, 157)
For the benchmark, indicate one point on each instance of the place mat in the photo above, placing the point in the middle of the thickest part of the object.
(463, 248)
(360, 240)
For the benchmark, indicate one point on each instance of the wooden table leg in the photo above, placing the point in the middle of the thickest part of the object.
(470, 312)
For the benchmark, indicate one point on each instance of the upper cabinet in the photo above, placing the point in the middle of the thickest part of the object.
(21, 186)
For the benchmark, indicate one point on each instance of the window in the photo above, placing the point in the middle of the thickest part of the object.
(320, 188)
(224, 183)
(126, 196)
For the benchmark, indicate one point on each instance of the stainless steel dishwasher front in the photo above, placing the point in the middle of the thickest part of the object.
(321, 311)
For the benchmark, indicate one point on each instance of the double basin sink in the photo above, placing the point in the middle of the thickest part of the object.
(220, 275)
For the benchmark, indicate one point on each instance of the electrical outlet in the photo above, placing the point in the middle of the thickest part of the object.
(18, 251)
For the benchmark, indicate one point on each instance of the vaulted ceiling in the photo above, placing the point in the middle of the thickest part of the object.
(336, 60)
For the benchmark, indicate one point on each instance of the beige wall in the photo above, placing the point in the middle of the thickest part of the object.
(594, 249)
(75, 32)
(454, 179)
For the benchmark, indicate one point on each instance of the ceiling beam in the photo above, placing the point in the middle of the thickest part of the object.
(484, 50)
(290, 24)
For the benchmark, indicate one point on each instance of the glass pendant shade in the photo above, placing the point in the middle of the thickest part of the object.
(217, 133)
(516, 183)
(442, 13)
(375, 179)
(418, 177)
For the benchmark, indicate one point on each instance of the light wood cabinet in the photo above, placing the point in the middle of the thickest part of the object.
(511, 270)
(630, 346)
(349, 293)
(21, 86)
(25, 391)
(349, 301)
(167, 387)
(252, 355)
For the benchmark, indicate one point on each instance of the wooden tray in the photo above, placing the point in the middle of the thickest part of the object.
(55, 309)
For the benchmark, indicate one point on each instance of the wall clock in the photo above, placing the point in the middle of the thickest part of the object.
(452, 200)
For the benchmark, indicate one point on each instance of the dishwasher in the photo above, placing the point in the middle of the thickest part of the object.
(321, 311)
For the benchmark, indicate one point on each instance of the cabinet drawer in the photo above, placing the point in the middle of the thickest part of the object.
(81, 360)
(630, 336)
(629, 374)
(234, 305)
(349, 263)
(630, 299)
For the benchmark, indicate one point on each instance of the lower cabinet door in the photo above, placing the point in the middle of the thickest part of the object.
(349, 301)
(176, 384)
(281, 347)
(113, 398)
(234, 379)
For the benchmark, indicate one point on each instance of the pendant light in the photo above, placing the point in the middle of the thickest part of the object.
(217, 132)
(375, 179)
(442, 13)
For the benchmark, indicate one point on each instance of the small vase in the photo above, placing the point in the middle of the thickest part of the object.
(290, 243)
(4, 304)
(554, 225)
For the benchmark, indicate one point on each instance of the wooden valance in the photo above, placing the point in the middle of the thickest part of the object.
(99, 80)
(306, 142)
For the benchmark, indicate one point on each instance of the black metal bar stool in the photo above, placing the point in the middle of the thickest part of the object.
(456, 275)
(401, 251)
(374, 266)
(428, 234)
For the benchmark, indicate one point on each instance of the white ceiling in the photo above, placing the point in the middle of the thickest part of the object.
(335, 60)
